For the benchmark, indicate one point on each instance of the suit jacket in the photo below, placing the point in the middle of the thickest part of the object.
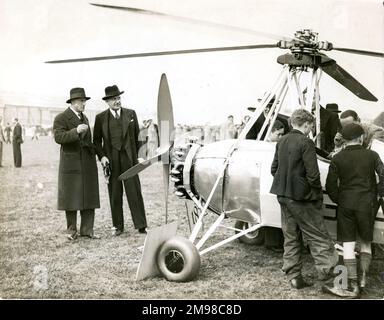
(295, 169)
(78, 185)
(17, 134)
(131, 130)
(351, 180)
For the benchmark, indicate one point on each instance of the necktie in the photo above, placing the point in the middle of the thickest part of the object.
(116, 115)
(81, 116)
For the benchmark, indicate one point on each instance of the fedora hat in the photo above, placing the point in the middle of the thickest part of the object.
(112, 91)
(77, 93)
(333, 107)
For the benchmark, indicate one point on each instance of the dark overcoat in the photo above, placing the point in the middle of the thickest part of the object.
(329, 125)
(78, 180)
(17, 134)
(17, 140)
(295, 169)
(131, 130)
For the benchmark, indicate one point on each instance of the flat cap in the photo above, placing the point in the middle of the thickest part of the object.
(352, 131)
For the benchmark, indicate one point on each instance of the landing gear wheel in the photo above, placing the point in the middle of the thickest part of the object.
(178, 259)
(255, 238)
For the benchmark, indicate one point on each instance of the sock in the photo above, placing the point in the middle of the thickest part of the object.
(365, 261)
(351, 266)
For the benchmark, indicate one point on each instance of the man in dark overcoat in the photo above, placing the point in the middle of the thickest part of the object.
(78, 180)
(116, 140)
(17, 140)
(329, 126)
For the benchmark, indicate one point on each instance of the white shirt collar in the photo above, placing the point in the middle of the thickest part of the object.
(75, 112)
(114, 113)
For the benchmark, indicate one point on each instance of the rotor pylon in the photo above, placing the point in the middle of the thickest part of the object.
(289, 94)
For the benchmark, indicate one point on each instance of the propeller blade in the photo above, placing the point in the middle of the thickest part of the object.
(165, 113)
(195, 21)
(165, 53)
(349, 82)
(363, 52)
(167, 131)
(166, 188)
(143, 165)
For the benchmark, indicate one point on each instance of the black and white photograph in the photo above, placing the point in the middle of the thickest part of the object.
(167, 150)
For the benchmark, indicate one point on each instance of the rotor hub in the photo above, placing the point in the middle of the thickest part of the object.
(305, 42)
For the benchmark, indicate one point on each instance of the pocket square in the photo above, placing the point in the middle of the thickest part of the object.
(131, 120)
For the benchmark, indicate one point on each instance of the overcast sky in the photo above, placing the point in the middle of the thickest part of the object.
(204, 87)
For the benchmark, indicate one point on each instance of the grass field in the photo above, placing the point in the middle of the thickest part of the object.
(37, 261)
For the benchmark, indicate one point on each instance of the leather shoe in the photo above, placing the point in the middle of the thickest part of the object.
(299, 283)
(118, 232)
(142, 230)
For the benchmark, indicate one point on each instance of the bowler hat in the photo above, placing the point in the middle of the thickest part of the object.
(333, 107)
(352, 131)
(77, 93)
(112, 91)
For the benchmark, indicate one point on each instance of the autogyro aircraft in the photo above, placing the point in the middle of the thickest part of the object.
(231, 178)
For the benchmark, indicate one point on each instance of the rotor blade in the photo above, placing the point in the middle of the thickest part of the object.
(345, 79)
(143, 165)
(363, 52)
(165, 53)
(195, 21)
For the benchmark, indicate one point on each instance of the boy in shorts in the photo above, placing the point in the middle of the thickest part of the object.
(351, 184)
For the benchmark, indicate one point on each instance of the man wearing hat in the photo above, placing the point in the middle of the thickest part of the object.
(116, 135)
(351, 184)
(329, 124)
(78, 180)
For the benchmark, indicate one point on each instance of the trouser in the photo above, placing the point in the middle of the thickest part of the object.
(17, 154)
(1, 153)
(303, 218)
(121, 163)
(86, 225)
